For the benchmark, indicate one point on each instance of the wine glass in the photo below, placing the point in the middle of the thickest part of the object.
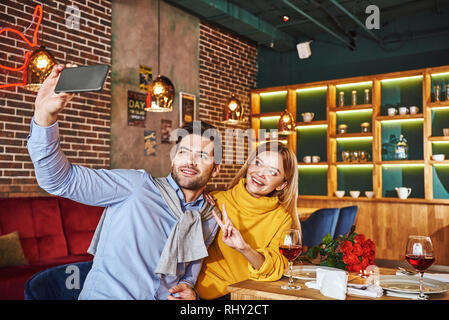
(420, 255)
(290, 246)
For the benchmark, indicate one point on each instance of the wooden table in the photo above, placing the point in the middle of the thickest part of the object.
(259, 290)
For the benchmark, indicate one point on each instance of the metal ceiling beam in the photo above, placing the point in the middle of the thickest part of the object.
(356, 20)
(241, 15)
(319, 24)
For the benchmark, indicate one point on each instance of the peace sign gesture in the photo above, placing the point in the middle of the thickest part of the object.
(231, 235)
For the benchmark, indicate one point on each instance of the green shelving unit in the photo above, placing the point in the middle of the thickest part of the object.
(410, 176)
(440, 177)
(312, 100)
(353, 119)
(273, 102)
(312, 180)
(355, 177)
(412, 129)
(360, 92)
(401, 92)
(311, 140)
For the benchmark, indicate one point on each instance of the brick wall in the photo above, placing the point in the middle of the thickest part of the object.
(228, 65)
(85, 123)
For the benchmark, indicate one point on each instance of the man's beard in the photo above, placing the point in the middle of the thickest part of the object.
(194, 183)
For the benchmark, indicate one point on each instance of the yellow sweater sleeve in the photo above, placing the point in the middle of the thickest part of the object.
(275, 263)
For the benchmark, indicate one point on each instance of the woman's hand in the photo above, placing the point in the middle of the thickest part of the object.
(233, 239)
(231, 235)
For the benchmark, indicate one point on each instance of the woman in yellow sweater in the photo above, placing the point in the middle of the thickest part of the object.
(259, 204)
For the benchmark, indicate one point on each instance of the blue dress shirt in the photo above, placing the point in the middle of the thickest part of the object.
(136, 224)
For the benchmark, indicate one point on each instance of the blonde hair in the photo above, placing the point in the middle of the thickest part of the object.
(289, 194)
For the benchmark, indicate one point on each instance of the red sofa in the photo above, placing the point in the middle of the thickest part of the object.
(52, 230)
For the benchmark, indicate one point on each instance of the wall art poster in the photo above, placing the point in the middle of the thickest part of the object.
(166, 128)
(136, 109)
(150, 142)
(186, 108)
(145, 77)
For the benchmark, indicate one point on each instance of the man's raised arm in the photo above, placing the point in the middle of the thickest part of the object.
(54, 172)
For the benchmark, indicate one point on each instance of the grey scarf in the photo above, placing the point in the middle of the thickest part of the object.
(185, 242)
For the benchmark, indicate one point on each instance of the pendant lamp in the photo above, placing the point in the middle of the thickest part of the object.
(161, 92)
(233, 112)
(41, 61)
(39, 67)
(286, 124)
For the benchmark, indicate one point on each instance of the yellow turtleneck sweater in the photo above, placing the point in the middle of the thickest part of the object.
(260, 222)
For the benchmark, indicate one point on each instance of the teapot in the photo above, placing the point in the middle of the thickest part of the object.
(307, 116)
(403, 192)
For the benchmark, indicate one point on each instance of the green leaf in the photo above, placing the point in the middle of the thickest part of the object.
(327, 239)
(313, 252)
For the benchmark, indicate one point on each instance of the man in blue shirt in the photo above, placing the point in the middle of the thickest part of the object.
(137, 223)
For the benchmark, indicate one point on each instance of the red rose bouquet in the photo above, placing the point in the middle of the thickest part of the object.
(351, 252)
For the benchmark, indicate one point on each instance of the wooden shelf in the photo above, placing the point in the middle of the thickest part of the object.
(267, 114)
(313, 164)
(311, 123)
(439, 104)
(352, 108)
(352, 135)
(432, 162)
(374, 199)
(353, 163)
(400, 162)
(400, 117)
(441, 138)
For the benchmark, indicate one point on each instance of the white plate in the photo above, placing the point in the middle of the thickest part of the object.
(305, 272)
(407, 284)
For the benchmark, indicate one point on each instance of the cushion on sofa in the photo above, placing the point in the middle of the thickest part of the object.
(38, 221)
(11, 252)
(79, 221)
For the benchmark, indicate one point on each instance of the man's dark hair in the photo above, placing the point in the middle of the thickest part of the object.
(204, 129)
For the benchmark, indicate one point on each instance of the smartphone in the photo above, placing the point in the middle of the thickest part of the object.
(82, 79)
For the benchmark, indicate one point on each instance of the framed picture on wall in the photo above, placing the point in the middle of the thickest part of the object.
(187, 105)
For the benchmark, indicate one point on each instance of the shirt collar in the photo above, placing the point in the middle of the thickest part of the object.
(197, 203)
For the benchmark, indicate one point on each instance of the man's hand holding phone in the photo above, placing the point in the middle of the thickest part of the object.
(48, 104)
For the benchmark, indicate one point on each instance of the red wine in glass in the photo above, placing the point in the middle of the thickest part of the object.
(420, 262)
(290, 246)
(419, 253)
(290, 252)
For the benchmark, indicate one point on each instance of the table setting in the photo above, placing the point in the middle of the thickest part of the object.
(344, 266)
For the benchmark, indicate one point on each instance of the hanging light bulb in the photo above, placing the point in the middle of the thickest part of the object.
(39, 66)
(233, 111)
(160, 95)
(161, 91)
(286, 124)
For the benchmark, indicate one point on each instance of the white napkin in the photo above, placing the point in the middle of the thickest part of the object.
(330, 283)
(372, 291)
(444, 277)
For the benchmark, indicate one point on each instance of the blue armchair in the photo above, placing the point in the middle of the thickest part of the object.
(346, 220)
(58, 283)
(319, 224)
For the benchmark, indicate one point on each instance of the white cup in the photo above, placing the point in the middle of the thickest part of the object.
(340, 193)
(403, 110)
(438, 157)
(414, 110)
(369, 194)
(392, 111)
(315, 159)
(403, 192)
(307, 159)
(354, 194)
